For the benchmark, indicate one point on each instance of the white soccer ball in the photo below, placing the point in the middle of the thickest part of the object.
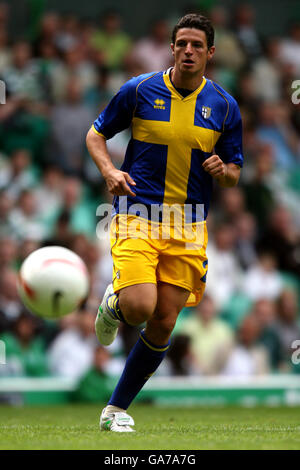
(53, 281)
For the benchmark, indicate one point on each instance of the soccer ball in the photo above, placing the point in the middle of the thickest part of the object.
(53, 281)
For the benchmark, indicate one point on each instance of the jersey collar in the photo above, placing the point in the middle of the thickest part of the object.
(169, 85)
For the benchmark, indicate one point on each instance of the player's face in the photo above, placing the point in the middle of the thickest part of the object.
(190, 50)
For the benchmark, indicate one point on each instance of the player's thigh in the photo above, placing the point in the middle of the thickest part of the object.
(186, 269)
(134, 277)
(134, 262)
(170, 298)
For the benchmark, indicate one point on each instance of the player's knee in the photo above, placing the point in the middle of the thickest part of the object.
(138, 311)
(166, 326)
(161, 327)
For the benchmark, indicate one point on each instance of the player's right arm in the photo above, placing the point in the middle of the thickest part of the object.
(116, 180)
(116, 117)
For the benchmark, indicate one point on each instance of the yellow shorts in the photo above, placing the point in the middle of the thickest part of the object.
(150, 256)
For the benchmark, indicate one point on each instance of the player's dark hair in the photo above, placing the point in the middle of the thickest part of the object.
(193, 20)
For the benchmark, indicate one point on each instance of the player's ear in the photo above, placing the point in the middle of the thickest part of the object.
(172, 48)
(211, 52)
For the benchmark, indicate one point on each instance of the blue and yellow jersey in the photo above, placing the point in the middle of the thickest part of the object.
(171, 137)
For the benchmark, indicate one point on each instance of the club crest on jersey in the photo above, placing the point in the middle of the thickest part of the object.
(159, 104)
(206, 112)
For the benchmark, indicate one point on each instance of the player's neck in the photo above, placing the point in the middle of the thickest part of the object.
(186, 80)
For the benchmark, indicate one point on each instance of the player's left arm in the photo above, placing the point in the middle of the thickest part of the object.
(225, 165)
(226, 174)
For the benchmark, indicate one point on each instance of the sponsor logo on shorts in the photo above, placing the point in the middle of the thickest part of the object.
(183, 222)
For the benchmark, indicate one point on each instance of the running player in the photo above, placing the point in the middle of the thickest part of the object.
(186, 132)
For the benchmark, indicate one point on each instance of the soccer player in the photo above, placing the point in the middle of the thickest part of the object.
(186, 132)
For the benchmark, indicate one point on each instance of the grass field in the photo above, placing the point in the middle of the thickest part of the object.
(76, 427)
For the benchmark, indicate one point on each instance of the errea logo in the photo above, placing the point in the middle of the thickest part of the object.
(159, 104)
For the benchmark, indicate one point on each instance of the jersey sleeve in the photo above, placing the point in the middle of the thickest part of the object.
(118, 113)
(229, 146)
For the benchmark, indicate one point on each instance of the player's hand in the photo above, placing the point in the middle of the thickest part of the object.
(215, 166)
(117, 181)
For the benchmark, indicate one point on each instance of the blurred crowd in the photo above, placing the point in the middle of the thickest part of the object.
(57, 81)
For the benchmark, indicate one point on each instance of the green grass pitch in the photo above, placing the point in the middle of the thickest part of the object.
(76, 427)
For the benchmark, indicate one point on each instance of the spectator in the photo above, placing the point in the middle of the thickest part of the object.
(113, 43)
(25, 219)
(232, 202)
(25, 351)
(104, 268)
(153, 52)
(224, 276)
(22, 77)
(49, 27)
(75, 64)
(48, 194)
(267, 73)
(287, 326)
(8, 253)
(246, 232)
(180, 358)
(25, 248)
(282, 240)
(49, 63)
(246, 94)
(4, 14)
(17, 174)
(81, 213)
(248, 358)
(290, 49)
(66, 37)
(80, 245)
(265, 312)
(94, 385)
(22, 124)
(98, 96)
(263, 279)
(70, 122)
(10, 304)
(275, 128)
(62, 232)
(210, 338)
(6, 226)
(228, 50)
(85, 33)
(72, 352)
(246, 31)
(5, 53)
(258, 194)
(92, 258)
